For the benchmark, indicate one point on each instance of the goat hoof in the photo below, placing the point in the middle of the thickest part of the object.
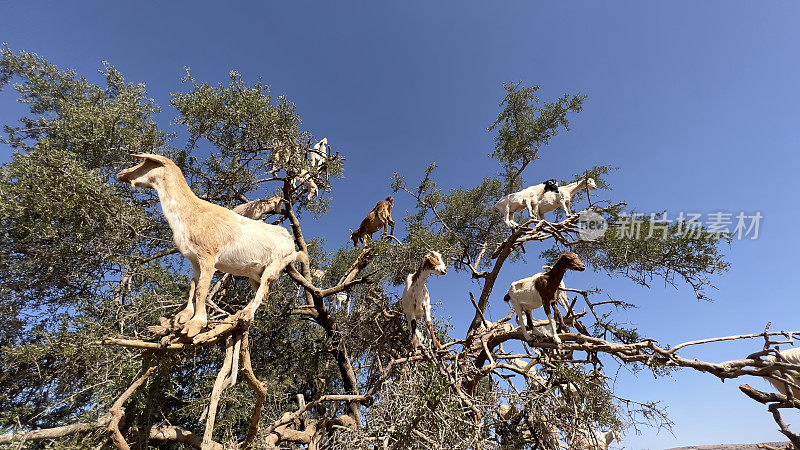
(183, 316)
(193, 328)
(158, 330)
(164, 327)
(246, 315)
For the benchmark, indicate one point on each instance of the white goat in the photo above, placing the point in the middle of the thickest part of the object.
(790, 356)
(416, 301)
(341, 301)
(307, 178)
(527, 198)
(318, 155)
(213, 238)
(257, 208)
(551, 201)
(596, 440)
(282, 151)
(542, 290)
(317, 274)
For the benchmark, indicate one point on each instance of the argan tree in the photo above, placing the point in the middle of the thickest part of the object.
(89, 278)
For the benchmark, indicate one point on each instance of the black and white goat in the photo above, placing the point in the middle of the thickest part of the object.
(527, 198)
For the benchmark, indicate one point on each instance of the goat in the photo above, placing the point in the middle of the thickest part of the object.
(544, 429)
(541, 289)
(416, 301)
(213, 238)
(379, 217)
(281, 156)
(318, 155)
(317, 274)
(594, 440)
(551, 201)
(341, 301)
(307, 178)
(527, 198)
(317, 158)
(256, 208)
(281, 153)
(791, 356)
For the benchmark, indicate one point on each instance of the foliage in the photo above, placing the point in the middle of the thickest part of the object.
(83, 259)
(524, 126)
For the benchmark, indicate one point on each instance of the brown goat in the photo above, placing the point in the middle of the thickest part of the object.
(542, 290)
(379, 217)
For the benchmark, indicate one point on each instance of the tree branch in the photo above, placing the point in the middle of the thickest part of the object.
(117, 411)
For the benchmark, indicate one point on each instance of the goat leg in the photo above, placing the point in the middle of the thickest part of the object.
(200, 319)
(549, 313)
(188, 312)
(249, 311)
(560, 319)
(433, 336)
(530, 322)
(413, 325)
(510, 223)
(564, 206)
(529, 206)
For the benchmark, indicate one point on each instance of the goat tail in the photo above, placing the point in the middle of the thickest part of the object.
(507, 298)
(301, 256)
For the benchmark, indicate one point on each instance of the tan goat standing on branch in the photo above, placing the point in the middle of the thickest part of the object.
(379, 217)
(213, 238)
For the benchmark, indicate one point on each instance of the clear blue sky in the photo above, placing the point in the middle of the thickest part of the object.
(697, 103)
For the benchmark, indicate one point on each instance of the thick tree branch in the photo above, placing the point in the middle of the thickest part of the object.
(54, 433)
(219, 384)
(169, 433)
(177, 434)
(258, 389)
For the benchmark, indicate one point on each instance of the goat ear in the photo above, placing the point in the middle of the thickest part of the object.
(151, 157)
